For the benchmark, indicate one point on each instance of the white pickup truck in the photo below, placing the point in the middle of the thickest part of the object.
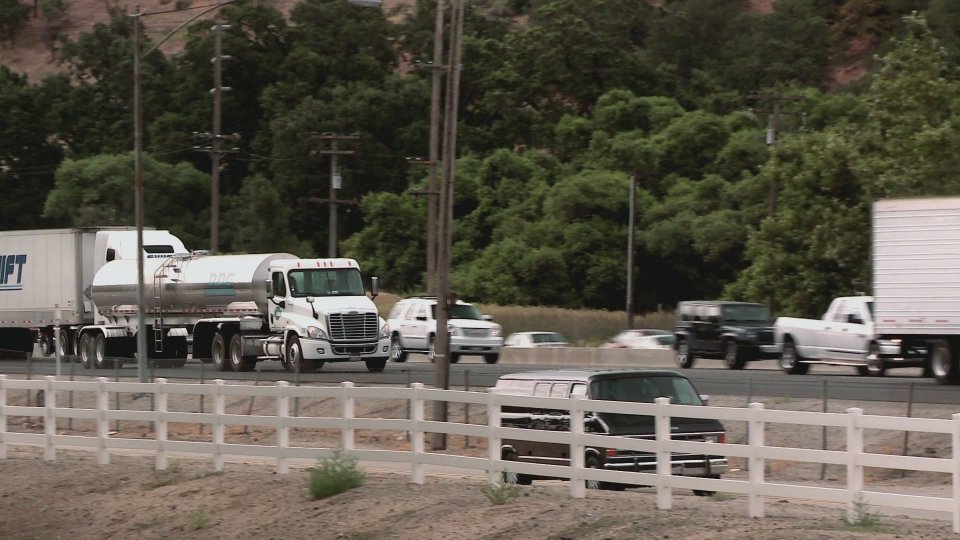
(843, 336)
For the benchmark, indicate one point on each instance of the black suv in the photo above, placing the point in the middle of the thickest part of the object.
(737, 332)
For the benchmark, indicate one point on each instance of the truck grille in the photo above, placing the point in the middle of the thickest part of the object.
(476, 332)
(354, 326)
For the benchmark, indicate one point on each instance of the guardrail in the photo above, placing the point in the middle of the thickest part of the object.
(586, 356)
(754, 451)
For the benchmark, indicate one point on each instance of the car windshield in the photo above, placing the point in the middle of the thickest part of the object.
(326, 282)
(548, 338)
(746, 312)
(667, 339)
(642, 390)
(460, 311)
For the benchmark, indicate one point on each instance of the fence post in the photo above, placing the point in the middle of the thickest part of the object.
(854, 469)
(664, 461)
(49, 421)
(283, 431)
(956, 471)
(160, 427)
(219, 407)
(347, 402)
(417, 408)
(578, 488)
(756, 462)
(3, 417)
(103, 423)
(494, 470)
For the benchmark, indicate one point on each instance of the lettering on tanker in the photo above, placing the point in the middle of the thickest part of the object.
(11, 272)
(220, 284)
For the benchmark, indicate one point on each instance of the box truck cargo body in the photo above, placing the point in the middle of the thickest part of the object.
(916, 280)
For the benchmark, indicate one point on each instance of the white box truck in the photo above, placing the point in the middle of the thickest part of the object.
(236, 309)
(916, 281)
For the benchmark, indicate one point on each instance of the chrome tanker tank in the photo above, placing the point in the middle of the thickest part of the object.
(193, 285)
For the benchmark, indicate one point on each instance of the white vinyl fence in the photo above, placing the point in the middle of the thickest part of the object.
(754, 451)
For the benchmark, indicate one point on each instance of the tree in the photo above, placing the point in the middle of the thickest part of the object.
(12, 15)
(99, 191)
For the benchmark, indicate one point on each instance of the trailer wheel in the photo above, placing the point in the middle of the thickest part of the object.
(943, 362)
(218, 352)
(86, 350)
(238, 361)
(100, 352)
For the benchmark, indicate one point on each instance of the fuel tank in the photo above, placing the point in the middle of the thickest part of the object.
(195, 284)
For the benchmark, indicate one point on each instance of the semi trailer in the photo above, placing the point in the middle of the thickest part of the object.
(81, 286)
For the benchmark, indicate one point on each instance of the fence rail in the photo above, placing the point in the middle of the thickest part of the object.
(754, 451)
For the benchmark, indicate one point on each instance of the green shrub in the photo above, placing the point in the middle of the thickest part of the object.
(334, 475)
(501, 492)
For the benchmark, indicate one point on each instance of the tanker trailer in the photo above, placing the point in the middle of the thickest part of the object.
(238, 310)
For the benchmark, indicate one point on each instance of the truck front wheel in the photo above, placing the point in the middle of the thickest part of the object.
(943, 362)
(733, 356)
(876, 367)
(791, 361)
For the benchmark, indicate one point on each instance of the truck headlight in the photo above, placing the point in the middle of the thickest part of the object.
(384, 331)
(453, 330)
(496, 331)
(316, 332)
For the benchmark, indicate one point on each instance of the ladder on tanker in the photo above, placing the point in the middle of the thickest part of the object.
(172, 264)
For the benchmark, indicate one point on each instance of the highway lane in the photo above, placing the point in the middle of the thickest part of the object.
(758, 379)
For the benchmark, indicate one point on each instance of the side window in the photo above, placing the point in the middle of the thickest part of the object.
(417, 312)
(558, 390)
(395, 311)
(711, 311)
(541, 390)
(578, 389)
(840, 313)
(279, 287)
(685, 312)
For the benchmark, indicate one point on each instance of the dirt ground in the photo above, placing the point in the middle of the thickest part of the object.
(78, 499)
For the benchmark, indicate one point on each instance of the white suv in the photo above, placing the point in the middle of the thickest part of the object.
(413, 327)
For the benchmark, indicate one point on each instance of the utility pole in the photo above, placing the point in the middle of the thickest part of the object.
(445, 217)
(138, 204)
(773, 133)
(217, 91)
(433, 189)
(631, 246)
(336, 183)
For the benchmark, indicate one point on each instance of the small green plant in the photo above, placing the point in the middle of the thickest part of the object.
(861, 517)
(501, 492)
(199, 519)
(334, 475)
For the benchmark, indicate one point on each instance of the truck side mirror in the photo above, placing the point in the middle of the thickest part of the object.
(374, 286)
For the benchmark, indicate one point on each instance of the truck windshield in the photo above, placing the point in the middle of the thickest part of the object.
(643, 390)
(746, 312)
(325, 282)
(460, 311)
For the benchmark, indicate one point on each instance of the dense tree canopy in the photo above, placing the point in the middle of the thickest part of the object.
(562, 103)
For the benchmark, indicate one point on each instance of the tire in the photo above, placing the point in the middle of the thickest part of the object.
(85, 349)
(375, 365)
(295, 359)
(100, 352)
(593, 463)
(707, 492)
(46, 344)
(491, 358)
(790, 360)
(396, 349)
(684, 357)
(432, 349)
(64, 343)
(239, 362)
(876, 367)
(219, 353)
(943, 362)
(454, 358)
(733, 357)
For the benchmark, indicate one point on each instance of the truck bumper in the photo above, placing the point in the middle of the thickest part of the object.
(319, 349)
(465, 345)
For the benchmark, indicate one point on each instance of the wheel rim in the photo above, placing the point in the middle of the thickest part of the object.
(432, 351)
(788, 358)
(592, 484)
(396, 349)
(293, 355)
(217, 351)
(731, 355)
(939, 363)
(62, 343)
(874, 364)
(85, 350)
(99, 349)
(682, 352)
(236, 354)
